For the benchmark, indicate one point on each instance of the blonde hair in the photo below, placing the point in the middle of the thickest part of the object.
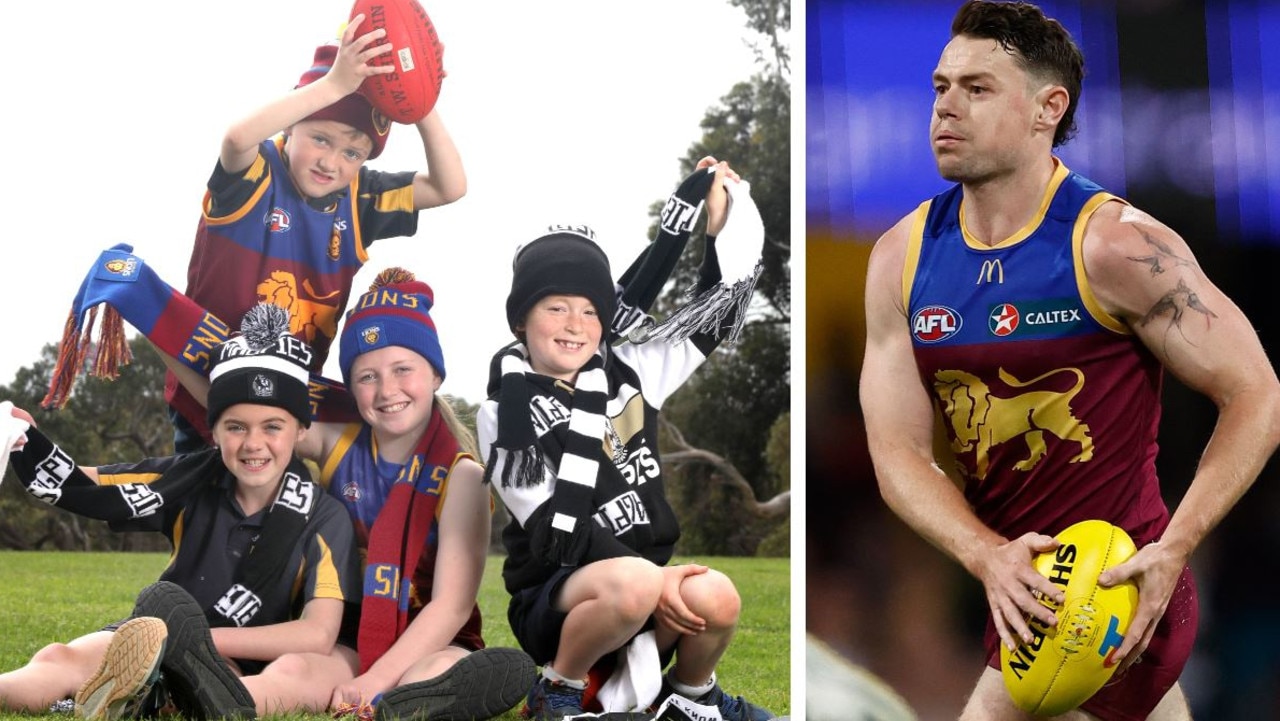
(466, 439)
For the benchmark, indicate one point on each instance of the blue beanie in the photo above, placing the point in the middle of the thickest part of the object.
(395, 311)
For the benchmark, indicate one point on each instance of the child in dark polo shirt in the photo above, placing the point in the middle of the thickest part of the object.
(264, 561)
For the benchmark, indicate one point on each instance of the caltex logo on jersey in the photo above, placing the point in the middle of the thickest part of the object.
(935, 323)
(1004, 319)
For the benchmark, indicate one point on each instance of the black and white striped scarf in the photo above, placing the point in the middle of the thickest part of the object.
(574, 451)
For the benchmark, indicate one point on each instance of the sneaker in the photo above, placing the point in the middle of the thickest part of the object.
(129, 668)
(200, 683)
(481, 685)
(551, 701)
(675, 707)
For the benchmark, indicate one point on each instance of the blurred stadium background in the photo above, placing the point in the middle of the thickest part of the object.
(1180, 114)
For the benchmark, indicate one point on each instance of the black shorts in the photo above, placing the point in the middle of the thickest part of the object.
(536, 623)
(534, 619)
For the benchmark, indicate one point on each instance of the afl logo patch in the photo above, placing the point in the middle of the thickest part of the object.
(278, 220)
(351, 492)
(935, 323)
(1004, 319)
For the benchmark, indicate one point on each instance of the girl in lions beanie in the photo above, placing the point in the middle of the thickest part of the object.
(570, 435)
(407, 475)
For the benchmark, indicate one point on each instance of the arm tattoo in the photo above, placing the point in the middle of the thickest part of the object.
(1175, 304)
(1161, 253)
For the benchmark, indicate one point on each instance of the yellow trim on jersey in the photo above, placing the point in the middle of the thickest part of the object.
(362, 253)
(339, 450)
(119, 479)
(444, 485)
(257, 169)
(1091, 304)
(177, 536)
(1060, 174)
(327, 584)
(915, 238)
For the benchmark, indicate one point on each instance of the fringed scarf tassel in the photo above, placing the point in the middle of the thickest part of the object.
(719, 311)
(111, 351)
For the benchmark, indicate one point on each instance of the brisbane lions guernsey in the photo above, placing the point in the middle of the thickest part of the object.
(1050, 404)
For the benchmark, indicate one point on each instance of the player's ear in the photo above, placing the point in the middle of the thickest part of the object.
(1052, 102)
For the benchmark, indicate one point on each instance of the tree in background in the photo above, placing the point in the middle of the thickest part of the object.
(105, 421)
(738, 403)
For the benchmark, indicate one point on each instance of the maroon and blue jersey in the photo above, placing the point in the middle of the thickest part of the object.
(354, 474)
(1051, 405)
(272, 245)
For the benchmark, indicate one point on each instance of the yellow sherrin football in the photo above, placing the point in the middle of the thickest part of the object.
(1063, 666)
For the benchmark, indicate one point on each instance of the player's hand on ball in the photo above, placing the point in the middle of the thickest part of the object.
(1156, 570)
(1011, 582)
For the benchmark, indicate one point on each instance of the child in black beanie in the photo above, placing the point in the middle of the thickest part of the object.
(570, 431)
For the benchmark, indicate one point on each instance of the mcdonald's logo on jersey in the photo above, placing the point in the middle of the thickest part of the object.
(935, 323)
(992, 271)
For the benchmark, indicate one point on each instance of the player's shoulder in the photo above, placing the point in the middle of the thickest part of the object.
(1117, 232)
(891, 247)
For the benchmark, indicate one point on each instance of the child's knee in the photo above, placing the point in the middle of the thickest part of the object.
(290, 665)
(634, 587)
(713, 596)
(59, 654)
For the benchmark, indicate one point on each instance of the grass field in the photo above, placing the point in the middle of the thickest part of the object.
(47, 597)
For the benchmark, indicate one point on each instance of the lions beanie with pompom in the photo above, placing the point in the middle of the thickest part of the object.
(395, 311)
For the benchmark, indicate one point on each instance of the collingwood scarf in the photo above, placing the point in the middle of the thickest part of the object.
(574, 450)
(398, 537)
(51, 476)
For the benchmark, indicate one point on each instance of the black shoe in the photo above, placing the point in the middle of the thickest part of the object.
(200, 683)
(481, 685)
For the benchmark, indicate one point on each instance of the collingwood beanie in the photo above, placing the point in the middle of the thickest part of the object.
(564, 261)
(395, 311)
(265, 365)
(354, 109)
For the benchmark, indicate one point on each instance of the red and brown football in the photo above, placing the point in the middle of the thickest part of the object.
(410, 92)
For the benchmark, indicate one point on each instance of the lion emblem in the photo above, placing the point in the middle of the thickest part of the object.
(981, 421)
(307, 313)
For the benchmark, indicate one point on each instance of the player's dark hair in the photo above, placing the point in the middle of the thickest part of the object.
(1039, 44)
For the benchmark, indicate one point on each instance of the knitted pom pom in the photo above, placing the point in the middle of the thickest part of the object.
(391, 276)
(263, 325)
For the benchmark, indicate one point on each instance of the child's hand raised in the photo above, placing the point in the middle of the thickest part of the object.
(352, 65)
(718, 197)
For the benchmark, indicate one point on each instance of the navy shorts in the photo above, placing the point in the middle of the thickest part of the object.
(536, 623)
(534, 619)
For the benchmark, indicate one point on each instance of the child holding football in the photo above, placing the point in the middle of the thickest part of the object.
(570, 435)
(299, 164)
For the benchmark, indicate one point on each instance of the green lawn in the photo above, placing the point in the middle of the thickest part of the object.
(51, 596)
